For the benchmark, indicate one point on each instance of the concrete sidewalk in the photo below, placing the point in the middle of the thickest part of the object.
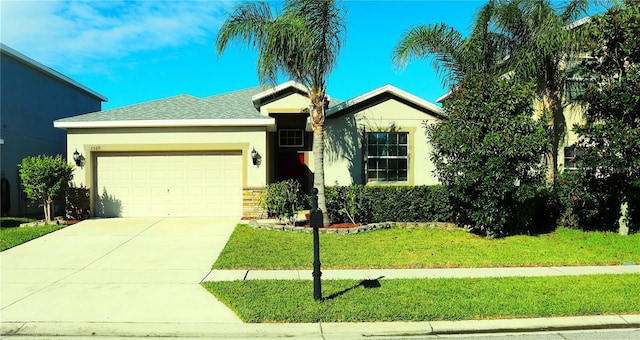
(368, 274)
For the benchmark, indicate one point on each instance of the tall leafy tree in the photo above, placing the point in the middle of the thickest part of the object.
(610, 136)
(531, 40)
(303, 44)
(488, 153)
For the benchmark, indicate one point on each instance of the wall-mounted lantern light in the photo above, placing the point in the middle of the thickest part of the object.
(255, 157)
(78, 158)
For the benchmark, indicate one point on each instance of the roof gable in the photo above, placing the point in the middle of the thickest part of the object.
(277, 92)
(380, 94)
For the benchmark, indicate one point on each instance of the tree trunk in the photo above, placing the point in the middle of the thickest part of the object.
(558, 128)
(623, 226)
(47, 210)
(318, 171)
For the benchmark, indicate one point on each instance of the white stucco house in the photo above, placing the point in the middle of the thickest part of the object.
(188, 156)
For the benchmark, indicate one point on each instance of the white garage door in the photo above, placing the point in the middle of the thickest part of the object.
(150, 185)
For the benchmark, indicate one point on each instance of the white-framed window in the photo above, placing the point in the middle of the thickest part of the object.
(571, 157)
(387, 156)
(291, 137)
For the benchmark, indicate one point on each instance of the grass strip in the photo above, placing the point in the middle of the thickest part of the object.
(291, 301)
(425, 248)
(11, 235)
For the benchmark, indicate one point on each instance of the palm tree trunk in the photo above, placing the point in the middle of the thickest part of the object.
(318, 173)
(552, 106)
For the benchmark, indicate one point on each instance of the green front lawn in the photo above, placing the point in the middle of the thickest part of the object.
(425, 248)
(11, 235)
(430, 299)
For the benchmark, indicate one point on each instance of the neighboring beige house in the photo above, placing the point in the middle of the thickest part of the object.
(188, 156)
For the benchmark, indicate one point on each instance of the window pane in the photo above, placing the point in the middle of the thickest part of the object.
(372, 176)
(402, 151)
(402, 138)
(393, 150)
(402, 175)
(393, 138)
(372, 150)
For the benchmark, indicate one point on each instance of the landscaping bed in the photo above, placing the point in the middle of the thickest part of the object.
(342, 228)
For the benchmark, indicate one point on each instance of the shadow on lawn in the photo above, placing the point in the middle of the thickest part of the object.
(374, 283)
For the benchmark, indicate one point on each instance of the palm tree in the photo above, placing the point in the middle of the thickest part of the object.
(302, 43)
(529, 39)
(541, 41)
(453, 55)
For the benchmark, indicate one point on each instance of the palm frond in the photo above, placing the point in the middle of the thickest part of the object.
(574, 10)
(247, 25)
(440, 42)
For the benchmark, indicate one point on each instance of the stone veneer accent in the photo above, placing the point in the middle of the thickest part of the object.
(251, 197)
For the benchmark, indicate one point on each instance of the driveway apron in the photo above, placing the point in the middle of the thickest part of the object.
(140, 270)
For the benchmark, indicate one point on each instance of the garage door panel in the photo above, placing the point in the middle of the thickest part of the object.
(171, 184)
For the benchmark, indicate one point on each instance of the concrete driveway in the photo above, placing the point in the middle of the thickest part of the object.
(116, 271)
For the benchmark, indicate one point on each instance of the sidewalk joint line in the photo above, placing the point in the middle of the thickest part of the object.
(245, 276)
(205, 276)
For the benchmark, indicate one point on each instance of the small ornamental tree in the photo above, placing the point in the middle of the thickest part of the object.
(489, 152)
(44, 178)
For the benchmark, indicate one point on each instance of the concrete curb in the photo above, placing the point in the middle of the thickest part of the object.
(319, 330)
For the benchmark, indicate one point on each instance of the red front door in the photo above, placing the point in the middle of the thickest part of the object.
(291, 166)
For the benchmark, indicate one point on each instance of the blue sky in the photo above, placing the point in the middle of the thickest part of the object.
(133, 52)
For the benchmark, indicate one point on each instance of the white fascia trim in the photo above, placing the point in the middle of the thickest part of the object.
(276, 89)
(390, 89)
(48, 70)
(268, 122)
(578, 23)
(443, 97)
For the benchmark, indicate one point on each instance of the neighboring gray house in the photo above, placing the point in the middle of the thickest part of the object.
(33, 96)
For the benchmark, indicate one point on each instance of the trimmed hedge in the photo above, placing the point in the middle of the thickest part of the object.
(371, 204)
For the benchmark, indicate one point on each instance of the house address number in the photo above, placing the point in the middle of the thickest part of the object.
(95, 148)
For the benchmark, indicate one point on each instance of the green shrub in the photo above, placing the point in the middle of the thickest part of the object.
(370, 204)
(587, 202)
(44, 178)
(284, 199)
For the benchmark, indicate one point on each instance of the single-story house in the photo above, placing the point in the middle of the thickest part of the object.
(213, 156)
(33, 96)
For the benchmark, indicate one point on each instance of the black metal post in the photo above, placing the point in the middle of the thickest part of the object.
(316, 223)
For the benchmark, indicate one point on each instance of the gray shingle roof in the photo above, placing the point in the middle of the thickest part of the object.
(232, 105)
